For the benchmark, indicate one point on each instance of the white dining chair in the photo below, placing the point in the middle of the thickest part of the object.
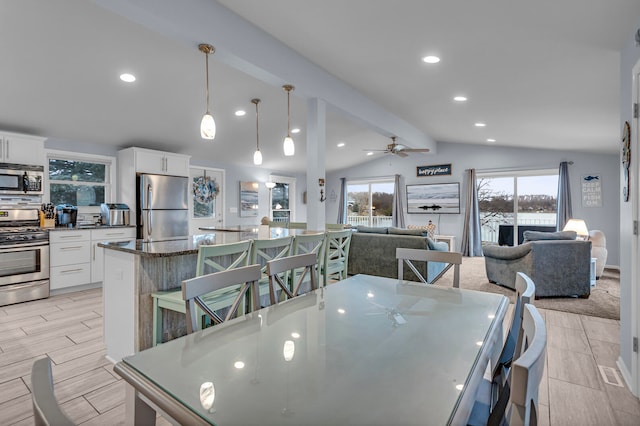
(408, 256)
(194, 289)
(517, 404)
(46, 410)
(302, 268)
(525, 293)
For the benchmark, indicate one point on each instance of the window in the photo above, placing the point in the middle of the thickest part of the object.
(511, 200)
(370, 203)
(81, 181)
(282, 199)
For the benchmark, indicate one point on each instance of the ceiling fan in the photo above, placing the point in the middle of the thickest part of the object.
(398, 149)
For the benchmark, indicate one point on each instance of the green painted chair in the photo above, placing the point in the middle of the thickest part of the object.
(336, 256)
(263, 251)
(210, 259)
(310, 243)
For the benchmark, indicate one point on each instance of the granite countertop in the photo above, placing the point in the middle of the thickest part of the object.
(175, 247)
(88, 227)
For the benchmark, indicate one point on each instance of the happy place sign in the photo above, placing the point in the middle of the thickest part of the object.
(437, 170)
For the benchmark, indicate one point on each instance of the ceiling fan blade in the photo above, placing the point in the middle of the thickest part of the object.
(401, 153)
(417, 150)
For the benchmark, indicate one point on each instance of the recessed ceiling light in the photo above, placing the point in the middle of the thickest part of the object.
(480, 124)
(340, 145)
(295, 130)
(127, 78)
(491, 140)
(431, 59)
(240, 113)
(369, 153)
(460, 98)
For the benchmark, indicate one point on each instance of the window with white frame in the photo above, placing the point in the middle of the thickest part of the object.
(84, 181)
(370, 202)
(513, 199)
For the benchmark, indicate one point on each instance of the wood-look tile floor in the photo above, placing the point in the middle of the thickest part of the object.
(68, 328)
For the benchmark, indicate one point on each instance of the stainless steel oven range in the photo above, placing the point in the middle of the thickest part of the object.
(24, 255)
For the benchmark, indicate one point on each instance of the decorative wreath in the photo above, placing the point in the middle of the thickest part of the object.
(205, 190)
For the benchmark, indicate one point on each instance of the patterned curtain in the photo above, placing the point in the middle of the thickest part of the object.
(397, 211)
(565, 212)
(471, 236)
(342, 206)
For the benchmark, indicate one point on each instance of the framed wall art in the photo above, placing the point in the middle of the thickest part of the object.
(248, 199)
(440, 198)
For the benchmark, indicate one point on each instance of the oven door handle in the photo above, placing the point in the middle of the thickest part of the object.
(26, 246)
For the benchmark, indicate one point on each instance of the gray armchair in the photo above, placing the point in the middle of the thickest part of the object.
(558, 267)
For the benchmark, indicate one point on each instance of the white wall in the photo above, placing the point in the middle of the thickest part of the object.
(629, 57)
(465, 156)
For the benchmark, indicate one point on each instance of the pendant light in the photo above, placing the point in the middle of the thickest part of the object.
(207, 125)
(257, 156)
(289, 147)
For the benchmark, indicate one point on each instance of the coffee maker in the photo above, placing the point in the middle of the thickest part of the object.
(66, 215)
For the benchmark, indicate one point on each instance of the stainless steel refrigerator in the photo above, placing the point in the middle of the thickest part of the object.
(162, 207)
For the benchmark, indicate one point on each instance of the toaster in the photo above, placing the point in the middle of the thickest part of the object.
(114, 214)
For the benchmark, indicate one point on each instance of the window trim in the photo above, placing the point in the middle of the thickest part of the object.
(110, 183)
(370, 181)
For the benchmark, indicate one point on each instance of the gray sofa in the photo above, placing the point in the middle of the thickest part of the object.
(373, 252)
(558, 267)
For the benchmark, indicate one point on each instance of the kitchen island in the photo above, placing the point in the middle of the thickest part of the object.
(134, 269)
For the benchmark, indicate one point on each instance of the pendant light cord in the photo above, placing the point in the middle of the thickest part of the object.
(257, 129)
(289, 113)
(207, 78)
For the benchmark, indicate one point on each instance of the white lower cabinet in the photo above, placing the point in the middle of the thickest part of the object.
(69, 258)
(75, 257)
(97, 253)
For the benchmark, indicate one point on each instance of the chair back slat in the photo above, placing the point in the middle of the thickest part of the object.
(46, 410)
(218, 258)
(306, 262)
(193, 289)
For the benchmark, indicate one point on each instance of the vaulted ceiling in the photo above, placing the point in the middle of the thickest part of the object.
(538, 74)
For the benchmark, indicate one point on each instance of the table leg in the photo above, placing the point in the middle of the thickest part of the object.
(137, 412)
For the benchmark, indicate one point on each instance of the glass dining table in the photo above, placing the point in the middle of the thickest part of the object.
(366, 350)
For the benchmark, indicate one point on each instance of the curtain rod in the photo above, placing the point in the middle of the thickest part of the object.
(370, 178)
(516, 169)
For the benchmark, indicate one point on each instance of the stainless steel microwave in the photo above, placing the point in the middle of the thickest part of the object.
(20, 179)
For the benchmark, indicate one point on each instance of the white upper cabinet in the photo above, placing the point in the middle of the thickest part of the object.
(159, 162)
(21, 149)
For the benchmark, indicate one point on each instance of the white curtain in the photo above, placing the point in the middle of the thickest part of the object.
(471, 236)
(342, 205)
(565, 212)
(397, 211)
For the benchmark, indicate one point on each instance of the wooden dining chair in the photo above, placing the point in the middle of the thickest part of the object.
(336, 256)
(303, 270)
(244, 282)
(408, 256)
(46, 410)
(310, 243)
(525, 293)
(262, 251)
(211, 259)
(518, 402)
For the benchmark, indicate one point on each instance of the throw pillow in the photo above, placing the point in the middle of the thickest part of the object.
(372, 229)
(538, 235)
(402, 231)
(437, 245)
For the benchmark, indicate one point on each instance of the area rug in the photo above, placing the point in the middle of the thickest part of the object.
(603, 302)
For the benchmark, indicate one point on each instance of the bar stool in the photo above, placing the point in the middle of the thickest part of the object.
(210, 259)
